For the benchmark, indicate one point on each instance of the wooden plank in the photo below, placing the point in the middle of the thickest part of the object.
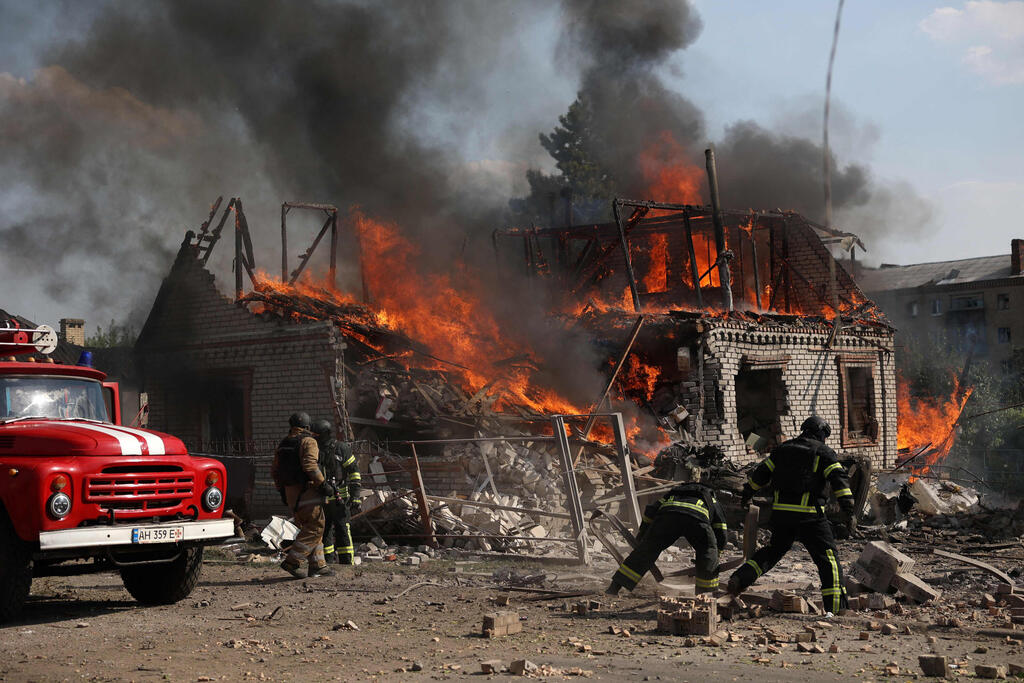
(750, 532)
(975, 563)
(496, 506)
(723, 567)
(421, 498)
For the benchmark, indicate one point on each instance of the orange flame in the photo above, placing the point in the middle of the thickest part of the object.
(638, 378)
(928, 423)
(656, 279)
(666, 175)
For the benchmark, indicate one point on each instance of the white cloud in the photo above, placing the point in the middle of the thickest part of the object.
(990, 33)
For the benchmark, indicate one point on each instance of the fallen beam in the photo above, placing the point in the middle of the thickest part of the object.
(975, 563)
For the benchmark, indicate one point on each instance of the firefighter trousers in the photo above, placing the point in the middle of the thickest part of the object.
(815, 533)
(306, 505)
(338, 533)
(665, 530)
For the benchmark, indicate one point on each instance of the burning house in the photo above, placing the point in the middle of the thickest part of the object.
(746, 362)
(689, 362)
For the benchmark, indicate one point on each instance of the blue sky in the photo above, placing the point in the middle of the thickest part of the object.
(928, 93)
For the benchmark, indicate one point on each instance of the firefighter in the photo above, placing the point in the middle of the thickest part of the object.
(303, 488)
(339, 466)
(689, 510)
(798, 471)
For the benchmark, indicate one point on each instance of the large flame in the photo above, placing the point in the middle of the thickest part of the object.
(667, 177)
(451, 321)
(928, 423)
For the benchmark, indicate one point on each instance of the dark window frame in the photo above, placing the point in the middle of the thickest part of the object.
(844, 363)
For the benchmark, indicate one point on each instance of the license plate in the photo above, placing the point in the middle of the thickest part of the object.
(158, 534)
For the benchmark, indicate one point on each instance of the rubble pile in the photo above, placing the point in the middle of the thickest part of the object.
(525, 476)
(938, 511)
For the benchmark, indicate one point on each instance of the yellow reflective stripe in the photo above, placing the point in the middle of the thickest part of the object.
(351, 459)
(755, 567)
(343, 549)
(328, 549)
(804, 499)
(689, 506)
(785, 507)
(753, 484)
(629, 572)
(844, 492)
(720, 525)
(769, 464)
(830, 468)
(706, 583)
(835, 580)
(645, 518)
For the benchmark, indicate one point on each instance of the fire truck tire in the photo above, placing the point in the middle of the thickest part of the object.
(166, 583)
(15, 570)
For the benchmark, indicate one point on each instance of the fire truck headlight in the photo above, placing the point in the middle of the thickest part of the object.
(212, 498)
(59, 505)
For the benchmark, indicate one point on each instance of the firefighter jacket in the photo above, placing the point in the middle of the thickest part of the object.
(295, 461)
(799, 470)
(339, 466)
(694, 500)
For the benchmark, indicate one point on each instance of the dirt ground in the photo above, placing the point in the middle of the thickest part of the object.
(253, 622)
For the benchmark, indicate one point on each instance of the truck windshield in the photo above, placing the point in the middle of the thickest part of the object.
(60, 397)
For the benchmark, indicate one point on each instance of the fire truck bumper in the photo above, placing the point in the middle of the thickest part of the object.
(202, 532)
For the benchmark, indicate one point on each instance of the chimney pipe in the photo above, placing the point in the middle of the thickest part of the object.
(716, 216)
(1016, 256)
(72, 330)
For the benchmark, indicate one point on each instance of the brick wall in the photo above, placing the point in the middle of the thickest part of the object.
(811, 378)
(194, 333)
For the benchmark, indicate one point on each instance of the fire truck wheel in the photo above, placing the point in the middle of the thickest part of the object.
(15, 570)
(164, 584)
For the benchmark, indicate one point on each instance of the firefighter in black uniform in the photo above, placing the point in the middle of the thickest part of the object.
(798, 471)
(689, 510)
(339, 466)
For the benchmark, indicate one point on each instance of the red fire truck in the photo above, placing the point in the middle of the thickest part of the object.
(81, 493)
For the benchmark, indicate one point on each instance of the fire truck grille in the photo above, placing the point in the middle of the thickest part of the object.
(139, 491)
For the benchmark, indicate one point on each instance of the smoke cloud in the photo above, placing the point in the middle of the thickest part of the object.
(143, 112)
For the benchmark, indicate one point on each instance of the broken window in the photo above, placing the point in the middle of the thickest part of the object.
(1004, 335)
(966, 303)
(1003, 302)
(912, 309)
(936, 307)
(857, 403)
(224, 410)
(760, 402)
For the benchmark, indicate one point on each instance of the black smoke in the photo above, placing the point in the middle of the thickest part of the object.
(145, 112)
(622, 48)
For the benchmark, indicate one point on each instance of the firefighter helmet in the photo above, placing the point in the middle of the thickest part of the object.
(321, 427)
(299, 419)
(816, 427)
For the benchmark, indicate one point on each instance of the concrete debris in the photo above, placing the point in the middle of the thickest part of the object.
(521, 667)
(277, 531)
(990, 671)
(492, 666)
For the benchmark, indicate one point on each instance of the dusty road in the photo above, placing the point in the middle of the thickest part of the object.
(248, 622)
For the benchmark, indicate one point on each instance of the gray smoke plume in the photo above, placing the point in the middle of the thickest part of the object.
(143, 112)
(621, 47)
